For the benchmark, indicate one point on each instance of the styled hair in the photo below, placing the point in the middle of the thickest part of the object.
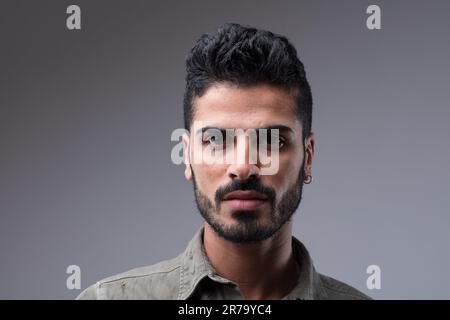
(246, 56)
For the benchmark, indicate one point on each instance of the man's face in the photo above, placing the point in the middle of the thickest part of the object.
(240, 203)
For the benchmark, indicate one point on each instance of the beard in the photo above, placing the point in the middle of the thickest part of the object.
(248, 227)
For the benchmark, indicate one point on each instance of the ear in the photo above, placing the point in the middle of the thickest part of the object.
(187, 162)
(309, 153)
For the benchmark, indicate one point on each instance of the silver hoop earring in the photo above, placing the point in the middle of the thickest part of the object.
(309, 179)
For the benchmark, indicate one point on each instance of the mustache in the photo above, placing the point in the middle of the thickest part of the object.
(239, 185)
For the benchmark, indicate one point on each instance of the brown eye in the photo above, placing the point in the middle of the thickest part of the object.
(213, 141)
(275, 140)
(281, 142)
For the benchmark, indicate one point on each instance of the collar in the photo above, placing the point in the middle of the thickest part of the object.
(195, 266)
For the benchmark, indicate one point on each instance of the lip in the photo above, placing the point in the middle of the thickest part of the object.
(245, 195)
(245, 200)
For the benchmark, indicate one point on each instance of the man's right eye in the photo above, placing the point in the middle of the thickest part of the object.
(213, 141)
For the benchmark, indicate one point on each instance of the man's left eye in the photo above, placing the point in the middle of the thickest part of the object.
(281, 142)
(276, 140)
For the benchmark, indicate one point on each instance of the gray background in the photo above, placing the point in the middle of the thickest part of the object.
(86, 118)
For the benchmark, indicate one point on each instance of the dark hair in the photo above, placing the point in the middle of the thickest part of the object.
(246, 56)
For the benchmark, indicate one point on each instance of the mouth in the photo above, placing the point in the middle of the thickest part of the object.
(245, 200)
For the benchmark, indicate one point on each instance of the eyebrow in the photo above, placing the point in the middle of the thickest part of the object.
(280, 127)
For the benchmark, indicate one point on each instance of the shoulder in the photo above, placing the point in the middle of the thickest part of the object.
(157, 281)
(337, 290)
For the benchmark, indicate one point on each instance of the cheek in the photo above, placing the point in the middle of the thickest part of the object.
(287, 174)
(208, 177)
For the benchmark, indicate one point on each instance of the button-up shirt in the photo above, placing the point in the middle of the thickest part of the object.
(191, 276)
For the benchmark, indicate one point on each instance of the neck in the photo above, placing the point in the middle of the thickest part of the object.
(262, 270)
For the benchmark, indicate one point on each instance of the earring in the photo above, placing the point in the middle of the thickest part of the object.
(308, 179)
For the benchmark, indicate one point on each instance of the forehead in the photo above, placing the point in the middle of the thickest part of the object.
(229, 106)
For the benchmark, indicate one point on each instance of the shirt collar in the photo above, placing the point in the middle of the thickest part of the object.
(309, 284)
(195, 266)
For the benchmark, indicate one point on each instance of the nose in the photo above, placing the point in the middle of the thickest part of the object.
(243, 169)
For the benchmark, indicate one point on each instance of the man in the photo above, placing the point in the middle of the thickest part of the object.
(240, 78)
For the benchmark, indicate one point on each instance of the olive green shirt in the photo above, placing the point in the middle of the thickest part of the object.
(191, 276)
